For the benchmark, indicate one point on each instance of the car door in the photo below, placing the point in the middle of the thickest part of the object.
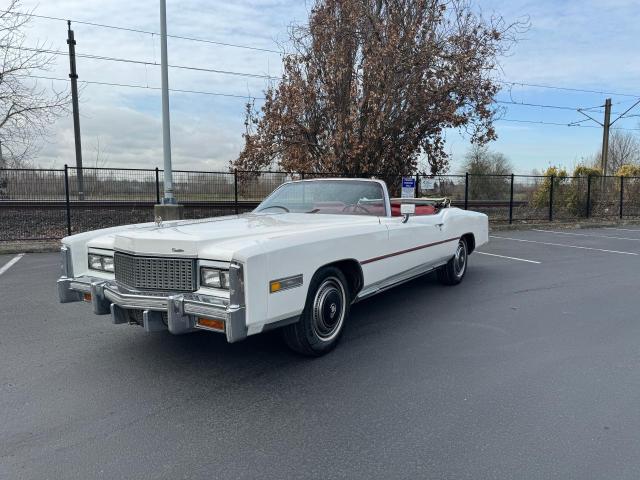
(416, 245)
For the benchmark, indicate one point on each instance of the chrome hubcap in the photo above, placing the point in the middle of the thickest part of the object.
(328, 308)
(460, 259)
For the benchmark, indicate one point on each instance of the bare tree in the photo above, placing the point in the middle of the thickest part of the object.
(624, 149)
(26, 108)
(372, 85)
(101, 157)
(479, 160)
(488, 172)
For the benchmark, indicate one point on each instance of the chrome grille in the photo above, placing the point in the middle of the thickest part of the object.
(153, 273)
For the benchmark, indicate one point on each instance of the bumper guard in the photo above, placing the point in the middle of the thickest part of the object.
(181, 309)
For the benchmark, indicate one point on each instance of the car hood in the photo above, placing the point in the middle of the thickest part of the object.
(218, 238)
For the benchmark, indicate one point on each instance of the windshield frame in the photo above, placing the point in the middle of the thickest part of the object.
(383, 185)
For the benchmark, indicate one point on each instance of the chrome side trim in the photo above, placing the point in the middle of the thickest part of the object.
(287, 283)
(397, 279)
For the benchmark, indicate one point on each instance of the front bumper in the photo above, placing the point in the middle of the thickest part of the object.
(176, 312)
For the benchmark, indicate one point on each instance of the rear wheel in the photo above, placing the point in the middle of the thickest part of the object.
(322, 321)
(453, 272)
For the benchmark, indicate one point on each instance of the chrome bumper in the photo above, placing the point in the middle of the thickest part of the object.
(182, 309)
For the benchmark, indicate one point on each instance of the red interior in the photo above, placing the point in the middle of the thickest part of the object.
(371, 209)
(420, 210)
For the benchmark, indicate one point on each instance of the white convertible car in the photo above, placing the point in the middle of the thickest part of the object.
(298, 261)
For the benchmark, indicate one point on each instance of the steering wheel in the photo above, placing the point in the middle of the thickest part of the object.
(355, 206)
(276, 206)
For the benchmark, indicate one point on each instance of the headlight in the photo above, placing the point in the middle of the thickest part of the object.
(102, 263)
(214, 277)
(107, 264)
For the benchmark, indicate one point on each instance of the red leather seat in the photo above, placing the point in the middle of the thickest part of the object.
(420, 210)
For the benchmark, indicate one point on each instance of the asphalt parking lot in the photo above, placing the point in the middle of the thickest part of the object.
(529, 369)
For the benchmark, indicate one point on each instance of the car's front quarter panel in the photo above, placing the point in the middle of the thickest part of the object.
(287, 259)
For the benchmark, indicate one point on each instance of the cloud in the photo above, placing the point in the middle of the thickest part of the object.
(584, 44)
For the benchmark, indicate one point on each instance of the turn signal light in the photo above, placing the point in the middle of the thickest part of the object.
(210, 323)
(275, 286)
(86, 297)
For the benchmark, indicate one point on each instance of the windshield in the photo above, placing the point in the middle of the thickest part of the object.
(345, 197)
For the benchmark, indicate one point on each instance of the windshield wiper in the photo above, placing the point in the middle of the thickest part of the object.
(274, 206)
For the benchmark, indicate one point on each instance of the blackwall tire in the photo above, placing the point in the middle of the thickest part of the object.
(326, 310)
(454, 271)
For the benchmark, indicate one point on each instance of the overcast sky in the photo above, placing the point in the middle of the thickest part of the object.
(578, 44)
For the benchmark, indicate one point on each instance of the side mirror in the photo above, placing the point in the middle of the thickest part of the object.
(407, 209)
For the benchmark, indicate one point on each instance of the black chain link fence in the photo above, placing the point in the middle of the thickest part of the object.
(44, 204)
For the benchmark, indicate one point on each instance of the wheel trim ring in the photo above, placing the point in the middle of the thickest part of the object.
(328, 331)
(460, 260)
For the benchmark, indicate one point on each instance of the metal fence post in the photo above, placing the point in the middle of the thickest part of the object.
(157, 186)
(417, 191)
(66, 195)
(551, 199)
(511, 202)
(588, 196)
(466, 191)
(235, 188)
(621, 194)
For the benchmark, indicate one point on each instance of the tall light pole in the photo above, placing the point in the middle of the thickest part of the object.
(166, 126)
(168, 210)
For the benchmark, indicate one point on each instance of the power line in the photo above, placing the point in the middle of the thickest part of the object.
(526, 104)
(249, 47)
(129, 85)
(569, 89)
(142, 62)
(243, 74)
(540, 122)
(557, 107)
(147, 32)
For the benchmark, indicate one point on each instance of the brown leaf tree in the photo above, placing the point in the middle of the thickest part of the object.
(371, 86)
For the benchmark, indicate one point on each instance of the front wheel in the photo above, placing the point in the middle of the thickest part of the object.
(453, 272)
(322, 321)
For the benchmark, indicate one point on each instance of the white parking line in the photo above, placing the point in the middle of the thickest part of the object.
(509, 258)
(567, 246)
(11, 263)
(585, 235)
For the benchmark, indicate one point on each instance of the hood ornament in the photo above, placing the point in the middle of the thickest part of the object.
(158, 220)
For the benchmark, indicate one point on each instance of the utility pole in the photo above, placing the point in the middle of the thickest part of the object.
(73, 75)
(605, 136)
(606, 126)
(168, 210)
